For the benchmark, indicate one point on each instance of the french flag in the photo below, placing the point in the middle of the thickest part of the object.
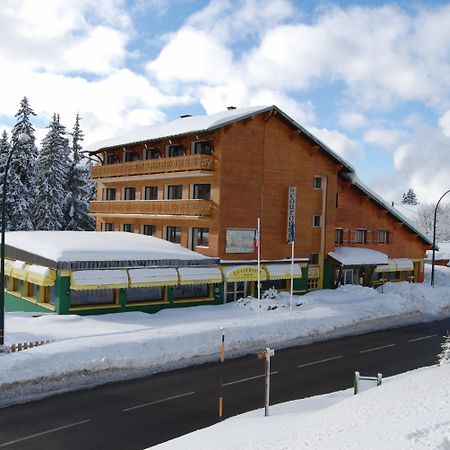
(256, 240)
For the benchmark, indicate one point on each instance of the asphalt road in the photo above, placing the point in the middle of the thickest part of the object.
(140, 413)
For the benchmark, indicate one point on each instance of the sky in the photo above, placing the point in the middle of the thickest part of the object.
(371, 79)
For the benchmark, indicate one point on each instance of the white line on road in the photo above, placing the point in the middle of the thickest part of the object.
(143, 405)
(320, 361)
(248, 379)
(376, 348)
(42, 433)
(422, 338)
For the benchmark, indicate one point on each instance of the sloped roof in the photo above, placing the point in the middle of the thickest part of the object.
(206, 123)
(355, 256)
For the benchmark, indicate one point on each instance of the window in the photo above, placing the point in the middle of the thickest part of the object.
(145, 294)
(317, 182)
(174, 192)
(191, 291)
(92, 297)
(313, 284)
(338, 236)
(107, 227)
(316, 221)
(128, 227)
(111, 158)
(173, 234)
(152, 153)
(175, 150)
(150, 192)
(360, 236)
(314, 259)
(109, 194)
(130, 156)
(201, 191)
(200, 237)
(149, 230)
(383, 237)
(129, 193)
(279, 285)
(203, 148)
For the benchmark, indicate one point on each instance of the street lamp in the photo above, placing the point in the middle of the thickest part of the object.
(22, 139)
(434, 236)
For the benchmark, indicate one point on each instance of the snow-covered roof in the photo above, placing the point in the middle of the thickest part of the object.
(92, 250)
(384, 204)
(354, 256)
(204, 123)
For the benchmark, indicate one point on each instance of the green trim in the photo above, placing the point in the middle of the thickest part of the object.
(301, 284)
(16, 304)
(327, 274)
(62, 294)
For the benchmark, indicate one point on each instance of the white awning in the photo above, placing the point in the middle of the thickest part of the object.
(98, 279)
(153, 277)
(197, 275)
(243, 273)
(355, 256)
(282, 271)
(397, 265)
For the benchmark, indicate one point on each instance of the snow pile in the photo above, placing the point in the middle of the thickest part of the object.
(126, 344)
(409, 411)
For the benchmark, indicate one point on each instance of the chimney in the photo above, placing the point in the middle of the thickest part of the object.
(185, 115)
(230, 108)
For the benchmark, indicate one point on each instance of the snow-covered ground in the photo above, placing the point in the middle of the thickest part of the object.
(409, 411)
(95, 349)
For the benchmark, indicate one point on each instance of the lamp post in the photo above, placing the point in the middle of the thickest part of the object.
(22, 139)
(434, 236)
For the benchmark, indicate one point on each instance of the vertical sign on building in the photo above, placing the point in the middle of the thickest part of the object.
(292, 203)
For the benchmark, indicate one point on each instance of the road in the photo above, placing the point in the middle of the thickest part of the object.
(139, 413)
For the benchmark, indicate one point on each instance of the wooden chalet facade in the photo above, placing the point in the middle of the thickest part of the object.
(204, 181)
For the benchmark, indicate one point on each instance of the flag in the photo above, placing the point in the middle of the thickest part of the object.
(292, 231)
(256, 240)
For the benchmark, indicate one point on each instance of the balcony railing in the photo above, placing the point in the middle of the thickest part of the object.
(155, 207)
(153, 166)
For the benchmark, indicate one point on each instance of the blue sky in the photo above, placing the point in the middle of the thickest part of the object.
(369, 78)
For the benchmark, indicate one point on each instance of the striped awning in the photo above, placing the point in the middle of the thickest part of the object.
(167, 276)
(243, 273)
(396, 265)
(98, 279)
(19, 270)
(41, 275)
(199, 275)
(282, 271)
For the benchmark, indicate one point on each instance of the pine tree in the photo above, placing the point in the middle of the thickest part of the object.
(409, 198)
(76, 210)
(21, 177)
(51, 180)
(5, 149)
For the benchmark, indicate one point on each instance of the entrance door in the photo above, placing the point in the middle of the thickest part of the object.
(348, 276)
(236, 290)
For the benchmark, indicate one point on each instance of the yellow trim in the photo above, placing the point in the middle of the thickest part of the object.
(41, 280)
(85, 287)
(243, 273)
(154, 283)
(213, 281)
(194, 300)
(20, 274)
(8, 266)
(94, 306)
(65, 273)
(149, 303)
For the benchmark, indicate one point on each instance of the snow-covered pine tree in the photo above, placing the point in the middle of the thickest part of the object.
(21, 177)
(76, 210)
(51, 179)
(409, 198)
(5, 149)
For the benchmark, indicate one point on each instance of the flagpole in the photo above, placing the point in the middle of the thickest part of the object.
(259, 263)
(292, 275)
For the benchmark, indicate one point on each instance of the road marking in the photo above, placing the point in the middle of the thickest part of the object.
(422, 338)
(376, 348)
(143, 405)
(320, 361)
(42, 433)
(248, 379)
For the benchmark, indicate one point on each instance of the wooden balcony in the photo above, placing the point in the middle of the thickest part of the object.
(153, 166)
(204, 208)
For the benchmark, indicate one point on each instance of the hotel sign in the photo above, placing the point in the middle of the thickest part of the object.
(292, 204)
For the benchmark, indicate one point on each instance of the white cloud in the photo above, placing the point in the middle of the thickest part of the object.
(338, 142)
(352, 120)
(444, 123)
(383, 137)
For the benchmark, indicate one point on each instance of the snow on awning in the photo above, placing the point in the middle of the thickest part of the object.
(396, 265)
(41, 275)
(98, 279)
(153, 277)
(8, 266)
(19, 270)
(282, 271)
(200, 275)
(355, 256)
(243, 273)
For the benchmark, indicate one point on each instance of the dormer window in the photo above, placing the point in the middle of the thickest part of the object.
(175, 150)
(203, 148)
